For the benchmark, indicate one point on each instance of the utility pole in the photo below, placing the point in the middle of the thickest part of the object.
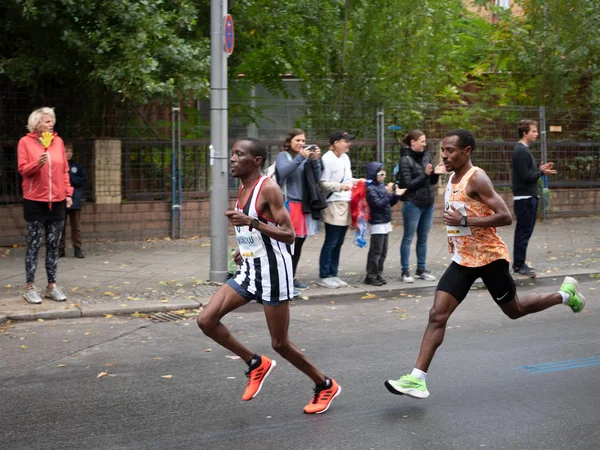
(219, 153)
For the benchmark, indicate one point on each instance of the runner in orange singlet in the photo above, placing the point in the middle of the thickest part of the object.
(473, 210)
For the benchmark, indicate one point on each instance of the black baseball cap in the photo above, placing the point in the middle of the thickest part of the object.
(340, 134)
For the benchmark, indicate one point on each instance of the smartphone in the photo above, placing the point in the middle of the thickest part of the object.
(312, 148)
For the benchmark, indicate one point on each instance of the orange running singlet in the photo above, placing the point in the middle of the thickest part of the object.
(483, 245)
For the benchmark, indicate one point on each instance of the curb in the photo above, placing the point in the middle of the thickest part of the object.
(153, 306)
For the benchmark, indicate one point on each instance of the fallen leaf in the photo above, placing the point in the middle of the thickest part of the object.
(167, 376)
(108, 316)
(102, 374)
(24, 347)
(62, 365)
(208, 350)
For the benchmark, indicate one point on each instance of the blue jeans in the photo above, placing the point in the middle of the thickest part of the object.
(329, 260)
(417, 219)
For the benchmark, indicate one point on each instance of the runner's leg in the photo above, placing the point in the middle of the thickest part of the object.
(225, 300)
(278, 321)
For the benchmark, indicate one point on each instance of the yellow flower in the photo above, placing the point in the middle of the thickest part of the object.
(46, 139)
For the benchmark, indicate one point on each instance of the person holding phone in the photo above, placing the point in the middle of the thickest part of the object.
(295, 159)
(417, 174)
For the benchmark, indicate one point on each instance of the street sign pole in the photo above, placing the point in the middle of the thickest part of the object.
(218, 149)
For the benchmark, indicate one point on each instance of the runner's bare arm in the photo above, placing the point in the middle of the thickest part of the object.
(270, 206)
(480, 188)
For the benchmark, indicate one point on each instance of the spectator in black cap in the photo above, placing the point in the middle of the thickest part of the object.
(336, 182)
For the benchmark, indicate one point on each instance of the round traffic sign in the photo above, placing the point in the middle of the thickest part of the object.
(228, 34)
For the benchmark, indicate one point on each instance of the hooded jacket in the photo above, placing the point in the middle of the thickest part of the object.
(49, 183)
(77, 177)
(420, 190)
(380, 201)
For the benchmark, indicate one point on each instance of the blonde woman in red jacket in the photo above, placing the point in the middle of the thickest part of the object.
(46, 196)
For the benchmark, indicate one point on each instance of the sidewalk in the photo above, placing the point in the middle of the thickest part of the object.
(164, 275)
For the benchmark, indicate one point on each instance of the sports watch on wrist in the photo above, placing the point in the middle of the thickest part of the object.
(253, 224)
(463, 221)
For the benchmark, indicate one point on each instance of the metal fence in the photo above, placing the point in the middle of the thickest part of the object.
(147, 150)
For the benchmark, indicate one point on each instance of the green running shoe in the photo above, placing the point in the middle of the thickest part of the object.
(408, 385)
(576, 299)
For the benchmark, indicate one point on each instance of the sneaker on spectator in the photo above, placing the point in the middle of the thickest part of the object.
(526, 271)
(406, 278)
(55, 294)
(340, 282)
(328, 283)
(299, 285)
(425, 275)
(383, 280)
(32, 296)
(373, 281)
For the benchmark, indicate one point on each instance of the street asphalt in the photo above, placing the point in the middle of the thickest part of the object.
(159, 275)
(127, 383)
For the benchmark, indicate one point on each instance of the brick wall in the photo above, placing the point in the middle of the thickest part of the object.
(140, 220)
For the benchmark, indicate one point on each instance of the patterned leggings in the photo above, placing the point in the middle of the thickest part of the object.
(35, 234)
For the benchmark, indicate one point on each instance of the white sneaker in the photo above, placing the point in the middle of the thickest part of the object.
(339, 281)
(406, 278)
(32, 296)
(328, 283)
(55, 294)
(426, 275)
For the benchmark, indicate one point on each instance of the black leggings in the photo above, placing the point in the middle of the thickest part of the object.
(298, 243)
(35, 234)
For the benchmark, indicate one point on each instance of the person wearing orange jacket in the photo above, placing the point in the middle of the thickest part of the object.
(47, 193)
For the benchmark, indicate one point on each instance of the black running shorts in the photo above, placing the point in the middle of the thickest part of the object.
(457, 280)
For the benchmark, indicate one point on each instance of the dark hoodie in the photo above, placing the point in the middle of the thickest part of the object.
(379, 199)
(420, 190)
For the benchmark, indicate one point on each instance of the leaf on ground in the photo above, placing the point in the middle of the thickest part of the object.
(24, 347)
(232, 357)
(108, 316)
(40, 320)
(208, 350)
(62, 365)
(367, 296)
(102, 374)
(168, 377)
(66, 341)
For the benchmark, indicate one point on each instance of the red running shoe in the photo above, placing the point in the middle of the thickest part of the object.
(257, 376)
(323, 398)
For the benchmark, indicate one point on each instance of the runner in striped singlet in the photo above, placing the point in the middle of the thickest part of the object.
(265, 238)
(473, 210)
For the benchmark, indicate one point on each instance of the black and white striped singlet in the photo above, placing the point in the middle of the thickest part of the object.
(267, 268)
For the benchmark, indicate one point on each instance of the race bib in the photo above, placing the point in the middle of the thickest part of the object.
(457, 231)
(249, 243)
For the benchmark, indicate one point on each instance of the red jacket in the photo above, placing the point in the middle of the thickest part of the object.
(49, 183)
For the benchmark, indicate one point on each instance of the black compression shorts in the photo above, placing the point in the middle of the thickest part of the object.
(457, 280)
